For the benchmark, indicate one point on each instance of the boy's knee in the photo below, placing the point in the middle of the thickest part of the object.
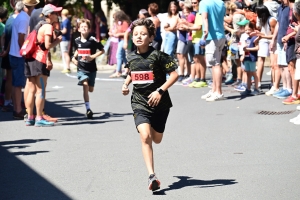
(91, 89)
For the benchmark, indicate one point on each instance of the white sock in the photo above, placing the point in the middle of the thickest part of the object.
(87, 105)
(290, 90)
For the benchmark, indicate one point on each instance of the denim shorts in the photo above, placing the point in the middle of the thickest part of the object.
(281, 58)
(89, 76)
(198, 50)
(250, 66)
(18, 66)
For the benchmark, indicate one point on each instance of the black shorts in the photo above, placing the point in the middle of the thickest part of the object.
(290, 52)
(5, 63)
(157, 120)
(35, 68)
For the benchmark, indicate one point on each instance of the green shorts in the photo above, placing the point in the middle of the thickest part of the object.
(89, 76)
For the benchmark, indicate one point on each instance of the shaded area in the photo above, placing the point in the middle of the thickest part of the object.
(186, 181)
(19, 181)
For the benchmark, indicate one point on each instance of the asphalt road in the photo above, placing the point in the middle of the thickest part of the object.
(216, 150)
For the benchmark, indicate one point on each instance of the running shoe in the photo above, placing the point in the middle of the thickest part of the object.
(25, 117)
(241, 88)
(215, 97)
(43, 123)
(272, 91)
(18, 116)
(298, 108)
(207, 95)
(255, 92)
(187, 82)
(200, 84)
(236, 83)
(65, 71)
(30, 122)
(7, 108)
(277, 92)
(269, 73)
(291, 100)
(246, 92)
(89, 114)
(229, 80)
(180, 78)
(153, 183)
(50, 119)
(282, 95)
(295, 119)
(191, 85)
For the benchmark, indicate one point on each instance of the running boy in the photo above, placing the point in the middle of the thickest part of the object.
(84, 58)
(250, 58)
(150, 99)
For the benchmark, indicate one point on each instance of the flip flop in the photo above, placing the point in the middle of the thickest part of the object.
(115, 76)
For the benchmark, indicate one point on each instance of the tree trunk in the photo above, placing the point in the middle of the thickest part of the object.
(97, 5)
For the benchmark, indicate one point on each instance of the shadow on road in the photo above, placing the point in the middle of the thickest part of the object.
(186, 181)
(18, 180)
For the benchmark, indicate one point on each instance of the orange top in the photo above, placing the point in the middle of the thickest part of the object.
(39, 54)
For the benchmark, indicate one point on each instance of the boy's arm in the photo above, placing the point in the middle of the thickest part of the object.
(74, 60)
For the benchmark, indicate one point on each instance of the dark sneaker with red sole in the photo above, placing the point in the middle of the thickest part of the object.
(153, 183)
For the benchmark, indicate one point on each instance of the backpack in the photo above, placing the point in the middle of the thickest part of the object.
(251, 16)
(30, 44)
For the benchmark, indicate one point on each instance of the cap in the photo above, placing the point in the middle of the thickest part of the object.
(49, 8)
(244, 22)
(143, 11)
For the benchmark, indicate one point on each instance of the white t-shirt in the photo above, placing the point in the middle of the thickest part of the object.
(20, 25)
(242, 42)
(163, 18)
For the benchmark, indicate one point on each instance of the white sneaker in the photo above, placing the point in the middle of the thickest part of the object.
(297, 121)
(298, 107)
(271, 91)
(215, 97)
(293, 120)
(207, 95)
(269, 73)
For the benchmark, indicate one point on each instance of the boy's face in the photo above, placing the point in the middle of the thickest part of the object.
(83, 28)
(186, 12)
(141, 37)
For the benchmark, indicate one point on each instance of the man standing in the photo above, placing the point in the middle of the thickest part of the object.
(213, 13)
(17, 62)
(66, 37)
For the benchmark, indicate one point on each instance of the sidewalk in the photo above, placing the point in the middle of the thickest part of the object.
(58, 65)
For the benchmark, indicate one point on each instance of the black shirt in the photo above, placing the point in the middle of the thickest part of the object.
(141, 65)
(35, 18)
(89, 47)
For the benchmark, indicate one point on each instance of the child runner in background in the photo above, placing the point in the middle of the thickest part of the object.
(84, 58)
(150, 99)
(250, 58)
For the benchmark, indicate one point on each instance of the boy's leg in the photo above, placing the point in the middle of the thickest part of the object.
(86, 91)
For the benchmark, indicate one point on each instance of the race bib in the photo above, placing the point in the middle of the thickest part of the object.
(142, 77)
(84, 52)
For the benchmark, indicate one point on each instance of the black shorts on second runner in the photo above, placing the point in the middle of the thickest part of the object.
(157, 120)
(35, 68)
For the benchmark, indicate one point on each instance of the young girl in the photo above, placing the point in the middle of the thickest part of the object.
(250, 58)
(150, 99)
(84, 57)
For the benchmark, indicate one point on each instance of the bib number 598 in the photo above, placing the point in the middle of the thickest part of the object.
(141, 77)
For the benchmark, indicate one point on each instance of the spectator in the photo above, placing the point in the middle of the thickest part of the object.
(101, 23)
(19, 32)
(213, 32)
(87, 14)
(113, 43)
(3, 16)
(153, 11)
(66, 37)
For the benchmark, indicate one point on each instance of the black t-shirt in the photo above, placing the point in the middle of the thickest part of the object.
(89, 47)
(148, 72)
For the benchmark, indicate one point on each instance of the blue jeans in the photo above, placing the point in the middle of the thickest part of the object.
(170, 42)
(121, 56)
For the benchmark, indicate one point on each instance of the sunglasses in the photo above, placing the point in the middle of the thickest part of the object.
(194, 2)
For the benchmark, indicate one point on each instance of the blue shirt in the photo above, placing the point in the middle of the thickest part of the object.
(66, 24)
(215, 10)
(8, 30)
(283, 22)
(251, 55)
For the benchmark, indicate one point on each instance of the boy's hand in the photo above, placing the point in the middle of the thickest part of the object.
(89, 58)
(125, 90)
(75, 61)
(154, 99)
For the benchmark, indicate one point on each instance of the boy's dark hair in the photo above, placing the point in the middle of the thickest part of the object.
(251, 25)
(153, 8)
(82, 21)
(147, 23)
(3, 12)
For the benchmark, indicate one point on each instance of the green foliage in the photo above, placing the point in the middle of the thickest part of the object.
(5, 4)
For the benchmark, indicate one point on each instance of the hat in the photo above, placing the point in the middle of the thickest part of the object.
(49, 8)
(31, 2)
(244, 22)
(143, 11)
